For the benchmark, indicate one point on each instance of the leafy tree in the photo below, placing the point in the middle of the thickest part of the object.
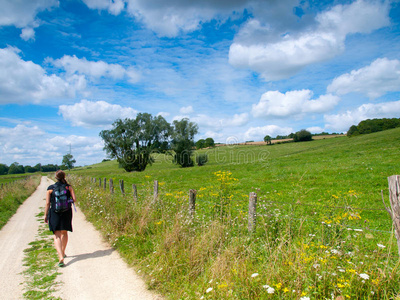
(131, 141)
(201, 159)
(267, 139)
(38, 167)
(16, 168)
(353, 131)
(209, 142)
(200, 144)
(68, 161)
(183, 141)
(302, 136)
(3, 169)
(29, 169)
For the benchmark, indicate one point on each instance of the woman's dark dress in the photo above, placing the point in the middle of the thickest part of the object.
(59, 221)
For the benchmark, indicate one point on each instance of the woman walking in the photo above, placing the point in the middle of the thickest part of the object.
(59, 219)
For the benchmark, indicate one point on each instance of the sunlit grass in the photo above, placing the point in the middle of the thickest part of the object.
(321, 229)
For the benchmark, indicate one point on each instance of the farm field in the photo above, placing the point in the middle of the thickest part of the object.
(321, 232)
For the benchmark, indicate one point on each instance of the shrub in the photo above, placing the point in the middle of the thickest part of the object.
(302, 136)
(201, 159)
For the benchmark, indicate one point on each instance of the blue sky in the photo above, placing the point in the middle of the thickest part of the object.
(240, 69)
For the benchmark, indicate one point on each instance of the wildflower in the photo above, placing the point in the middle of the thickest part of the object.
(270, 290)
(381, 246)
(209, 290)
(305, 298)
(364, 276)
(358, 230)
(254, 275)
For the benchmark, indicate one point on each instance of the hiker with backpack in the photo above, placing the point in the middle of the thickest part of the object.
(58, 213)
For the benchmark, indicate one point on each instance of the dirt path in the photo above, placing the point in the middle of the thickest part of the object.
(93, 269)
(15, 236)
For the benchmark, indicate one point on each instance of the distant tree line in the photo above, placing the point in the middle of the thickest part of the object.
(373, 125)
(205, 143)
(16, 168)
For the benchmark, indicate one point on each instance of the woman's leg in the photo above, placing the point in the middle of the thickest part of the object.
(58, 245)
(64, 240)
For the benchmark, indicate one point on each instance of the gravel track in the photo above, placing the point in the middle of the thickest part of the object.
(93, 270)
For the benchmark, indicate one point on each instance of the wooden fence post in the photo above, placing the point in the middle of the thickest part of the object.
(134, 189)
(155, 193)
(192, 202)
(111, 186)
(252, 211)
(105, 183)
(99, 182)
(394, 212)
(121, 186)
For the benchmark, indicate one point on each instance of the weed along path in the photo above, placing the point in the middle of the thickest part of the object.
(96, 271)
(93, 269)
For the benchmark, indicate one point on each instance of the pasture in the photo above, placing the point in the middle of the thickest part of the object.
(321, 232)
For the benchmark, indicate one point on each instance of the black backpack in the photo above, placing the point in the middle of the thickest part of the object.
(62, 201)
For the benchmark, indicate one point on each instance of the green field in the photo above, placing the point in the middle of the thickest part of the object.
(321, 230)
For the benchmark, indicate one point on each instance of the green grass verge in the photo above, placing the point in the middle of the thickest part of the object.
(321, 229)
(41, 265)
(14, 194)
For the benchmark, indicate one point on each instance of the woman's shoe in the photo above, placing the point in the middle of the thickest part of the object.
(61, 264)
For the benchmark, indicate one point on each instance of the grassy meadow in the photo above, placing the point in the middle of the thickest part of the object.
(14, 192)
(321, 233)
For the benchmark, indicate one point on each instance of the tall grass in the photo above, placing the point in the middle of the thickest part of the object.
(14, 194)
(321, 229)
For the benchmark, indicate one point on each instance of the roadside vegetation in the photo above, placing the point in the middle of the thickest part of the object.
(40, 261)
(321, 232)
(14, 191)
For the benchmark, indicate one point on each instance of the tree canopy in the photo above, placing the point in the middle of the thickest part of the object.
(183, 141)
(131, 141)
(373, 125)
(302, 136)
(68, 161)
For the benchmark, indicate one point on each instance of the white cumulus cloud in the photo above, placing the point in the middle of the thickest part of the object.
(186, 110)
(292, 103)
(112, 6)
(30, 145)
(375, 80)
(26, 82)
(342, 122)
(95, 114)
(95, 69)
(22, 14)
(279, 58)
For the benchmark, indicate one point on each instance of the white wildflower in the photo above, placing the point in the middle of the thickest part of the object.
(364, 276)
(254, 275)
(381, 246)
(270, 290)
(305, 298)
(209, 290)
(358, 230)
(342, 270)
